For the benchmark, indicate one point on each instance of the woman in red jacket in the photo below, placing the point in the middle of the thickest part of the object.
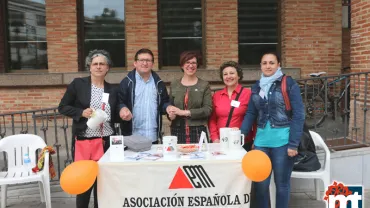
(225, 99)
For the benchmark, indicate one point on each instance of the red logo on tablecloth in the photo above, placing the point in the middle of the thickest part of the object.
(191, 176)
(180, 181)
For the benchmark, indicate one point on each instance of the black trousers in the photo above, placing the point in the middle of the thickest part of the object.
(248, 146)
(83, 200)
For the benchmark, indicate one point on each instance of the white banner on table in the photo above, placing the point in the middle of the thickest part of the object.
(192, 184)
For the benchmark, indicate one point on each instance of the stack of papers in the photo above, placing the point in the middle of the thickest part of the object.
(145, 156)
(193, 155)
(217, 153)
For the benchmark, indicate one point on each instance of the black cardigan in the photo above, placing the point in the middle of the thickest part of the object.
(77, 98)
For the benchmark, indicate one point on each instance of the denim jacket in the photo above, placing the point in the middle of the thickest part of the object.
(273, 110)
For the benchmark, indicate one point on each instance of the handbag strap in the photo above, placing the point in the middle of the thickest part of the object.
(232, 108)
(284, 91)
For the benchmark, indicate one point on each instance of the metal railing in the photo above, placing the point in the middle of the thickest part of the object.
(48, 124)
(336, 107)
(343, 101)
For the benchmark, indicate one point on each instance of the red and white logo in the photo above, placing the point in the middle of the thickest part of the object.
(191, 176)
(339, 195)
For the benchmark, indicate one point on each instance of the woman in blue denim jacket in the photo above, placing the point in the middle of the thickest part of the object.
(278, 134)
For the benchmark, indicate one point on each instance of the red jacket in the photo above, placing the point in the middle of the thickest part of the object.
(222, 107)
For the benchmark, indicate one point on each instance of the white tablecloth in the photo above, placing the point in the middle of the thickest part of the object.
(214, 181)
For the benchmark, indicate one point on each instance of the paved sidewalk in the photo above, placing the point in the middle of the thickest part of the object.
(27, 196)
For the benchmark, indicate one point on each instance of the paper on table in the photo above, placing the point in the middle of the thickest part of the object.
(116, 148)
(193, 155)
(197, 155)
(216, 153)
(145, 156)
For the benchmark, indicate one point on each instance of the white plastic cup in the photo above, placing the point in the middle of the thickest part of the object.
(169, 146)
(236, 139)
(224, 138)
(98, 117)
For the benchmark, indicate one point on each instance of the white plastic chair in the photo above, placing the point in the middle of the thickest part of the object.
(16, 146)
(322, 174)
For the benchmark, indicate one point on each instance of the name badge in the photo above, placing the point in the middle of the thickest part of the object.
(235, 103)
(105, 98)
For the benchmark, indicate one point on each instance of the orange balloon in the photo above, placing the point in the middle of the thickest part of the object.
(256, 165)
(79, 176)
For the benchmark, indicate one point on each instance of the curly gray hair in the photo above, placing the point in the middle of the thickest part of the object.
(95, 53)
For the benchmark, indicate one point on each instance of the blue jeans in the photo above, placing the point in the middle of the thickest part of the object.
(282, 165)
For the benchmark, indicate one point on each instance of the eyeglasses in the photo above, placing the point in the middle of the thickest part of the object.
(191, 63)
(144, 61)
(99, 63)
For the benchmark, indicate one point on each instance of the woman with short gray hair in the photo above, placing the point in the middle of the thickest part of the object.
(95, 53)
(83, 97)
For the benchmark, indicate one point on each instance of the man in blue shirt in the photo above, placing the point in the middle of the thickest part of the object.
(143, 99)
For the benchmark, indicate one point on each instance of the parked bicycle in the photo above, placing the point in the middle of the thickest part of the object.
(323, 98)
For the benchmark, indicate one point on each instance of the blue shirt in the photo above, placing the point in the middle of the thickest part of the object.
(271, 137)
(145, 108)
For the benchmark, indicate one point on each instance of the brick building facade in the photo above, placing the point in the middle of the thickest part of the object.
(360, 62)
(310, 39)
(305, 43)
